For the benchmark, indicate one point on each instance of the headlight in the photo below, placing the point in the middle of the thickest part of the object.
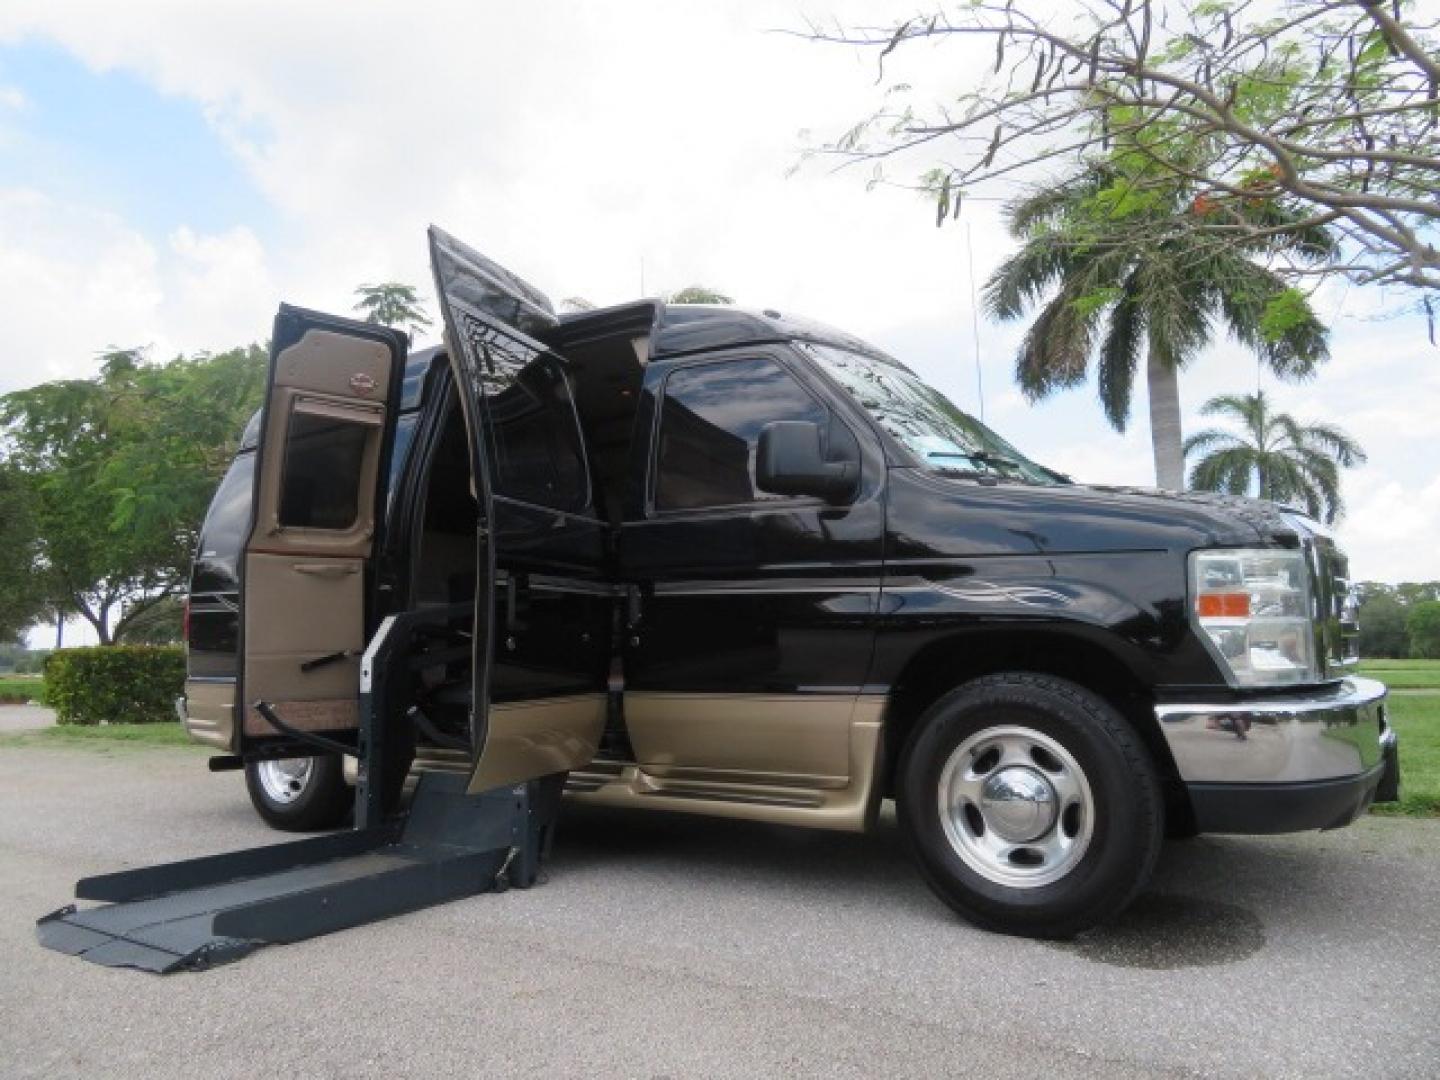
(1254, 606)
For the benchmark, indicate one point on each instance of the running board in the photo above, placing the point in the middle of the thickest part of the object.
(201, 912)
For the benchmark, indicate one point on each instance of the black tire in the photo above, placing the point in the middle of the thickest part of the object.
(1126, 803)
(320, 802)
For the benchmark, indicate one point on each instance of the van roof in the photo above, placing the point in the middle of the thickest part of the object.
(680, 329)
(675, 330)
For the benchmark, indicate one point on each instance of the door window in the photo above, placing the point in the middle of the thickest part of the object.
(535, 448)
(324, 462)
(710, 423)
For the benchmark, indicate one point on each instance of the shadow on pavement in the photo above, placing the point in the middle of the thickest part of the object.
(1200, 909)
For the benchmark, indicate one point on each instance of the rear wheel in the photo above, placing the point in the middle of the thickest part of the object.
(299, 794)
(1030, 805)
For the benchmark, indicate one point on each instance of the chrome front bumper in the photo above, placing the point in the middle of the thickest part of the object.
(1308, 761)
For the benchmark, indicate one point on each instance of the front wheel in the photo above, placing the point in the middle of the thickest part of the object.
(299, 794)
(1030, 805)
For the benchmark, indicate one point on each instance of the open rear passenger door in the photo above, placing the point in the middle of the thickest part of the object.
(327, 425)
(553, 724)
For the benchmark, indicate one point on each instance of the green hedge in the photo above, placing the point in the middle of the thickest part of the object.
(115, 684)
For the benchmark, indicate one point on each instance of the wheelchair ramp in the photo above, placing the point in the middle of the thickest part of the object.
(201, 912)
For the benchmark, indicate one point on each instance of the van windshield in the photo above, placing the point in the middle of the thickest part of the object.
(942, 438)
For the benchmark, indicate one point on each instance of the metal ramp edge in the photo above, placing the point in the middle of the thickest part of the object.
(202, 912)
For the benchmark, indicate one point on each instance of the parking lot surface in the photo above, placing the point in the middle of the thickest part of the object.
(675, 946)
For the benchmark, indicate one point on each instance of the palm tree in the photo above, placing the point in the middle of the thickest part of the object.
(1275, 456)
(393, 303)
(1148, 269)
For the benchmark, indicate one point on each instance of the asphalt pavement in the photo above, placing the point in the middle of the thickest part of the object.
(666, 946)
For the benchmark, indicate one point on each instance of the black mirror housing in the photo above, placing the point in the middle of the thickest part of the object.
(789, 460)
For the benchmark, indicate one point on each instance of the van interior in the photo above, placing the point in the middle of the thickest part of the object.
(604, 367)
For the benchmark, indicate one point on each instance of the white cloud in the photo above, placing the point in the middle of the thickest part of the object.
(75, 281)
(13, 98)
(78, 280)
(222, 290)
(1392, 532)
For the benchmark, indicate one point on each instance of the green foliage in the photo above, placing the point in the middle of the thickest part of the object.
(1423, 623)
(1414, 592)
(22, 593)
(393, 303)
(1275, 456)
(698, 294)
(1384, 631)
(1284, 312)
(1382, 627)
(123, 684)
(20, 660)
(162, 624)
(1325, 112)
(118, 471)
(1122, 267)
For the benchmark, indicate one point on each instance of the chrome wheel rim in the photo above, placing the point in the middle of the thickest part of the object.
(284, 781)
(1016, 806)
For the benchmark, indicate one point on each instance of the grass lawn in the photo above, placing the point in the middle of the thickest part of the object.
(21, 688)
(1404, 674)
(103, 736)
(1416, 718)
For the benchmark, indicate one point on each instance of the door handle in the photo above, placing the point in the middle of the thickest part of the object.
(326, 569)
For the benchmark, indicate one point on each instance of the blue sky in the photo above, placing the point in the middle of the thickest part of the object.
(169, 172)
(112, 141)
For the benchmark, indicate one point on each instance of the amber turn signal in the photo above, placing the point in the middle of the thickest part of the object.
(1234, 605)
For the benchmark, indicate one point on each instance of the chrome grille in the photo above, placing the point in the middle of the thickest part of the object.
(1337, 632)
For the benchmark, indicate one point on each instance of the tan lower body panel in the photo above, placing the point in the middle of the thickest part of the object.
(538, 737)
(796, 782)
(210, 713)
(335, 714)
(803, 735)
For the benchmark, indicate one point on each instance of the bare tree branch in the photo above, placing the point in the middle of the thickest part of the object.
(1330, 108)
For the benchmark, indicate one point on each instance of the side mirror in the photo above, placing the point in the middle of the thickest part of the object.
(788, 461)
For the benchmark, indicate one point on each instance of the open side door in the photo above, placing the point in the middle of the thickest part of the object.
(327, 425)
(490, 315)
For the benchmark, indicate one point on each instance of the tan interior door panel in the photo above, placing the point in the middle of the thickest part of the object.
(298, 610)
(336, 364)
(315, 520)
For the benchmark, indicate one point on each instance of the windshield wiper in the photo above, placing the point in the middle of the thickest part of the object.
(985, 457)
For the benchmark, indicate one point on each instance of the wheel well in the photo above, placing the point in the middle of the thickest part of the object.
(943, 665)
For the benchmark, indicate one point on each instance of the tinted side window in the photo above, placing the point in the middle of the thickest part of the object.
(535, 449)
(226, 524)
(320, 484)
(710, 422)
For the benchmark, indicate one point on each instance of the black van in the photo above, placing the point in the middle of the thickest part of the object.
(728, 562)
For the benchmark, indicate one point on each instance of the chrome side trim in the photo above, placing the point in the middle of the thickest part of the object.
(207, 710)
(1337, 731)
(367, 661)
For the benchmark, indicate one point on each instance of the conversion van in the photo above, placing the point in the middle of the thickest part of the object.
(711, 561)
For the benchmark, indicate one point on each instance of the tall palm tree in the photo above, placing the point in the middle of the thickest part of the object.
(1148, 269)
(1275, 456)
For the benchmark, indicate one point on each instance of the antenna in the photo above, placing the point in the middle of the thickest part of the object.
(975, 323)
(642, 275)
